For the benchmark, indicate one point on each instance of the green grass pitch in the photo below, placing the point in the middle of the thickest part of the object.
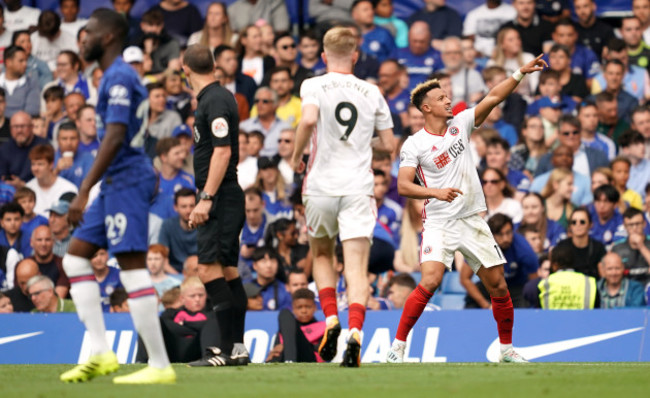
(476, 380)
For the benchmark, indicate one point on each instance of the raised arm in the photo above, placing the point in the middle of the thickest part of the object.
(502, 90)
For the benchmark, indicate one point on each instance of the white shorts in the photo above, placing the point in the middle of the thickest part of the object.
(470, 235)
(350, 217)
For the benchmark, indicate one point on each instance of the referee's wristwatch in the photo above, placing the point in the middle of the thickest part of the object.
(205, 196)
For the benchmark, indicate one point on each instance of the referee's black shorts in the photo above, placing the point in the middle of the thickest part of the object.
(218, 238)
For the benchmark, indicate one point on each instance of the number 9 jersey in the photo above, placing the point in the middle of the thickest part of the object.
(350, 110)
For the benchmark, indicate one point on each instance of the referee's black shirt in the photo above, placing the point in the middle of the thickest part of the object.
(216, 124)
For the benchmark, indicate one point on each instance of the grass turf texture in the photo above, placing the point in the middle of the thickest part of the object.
(371, 380)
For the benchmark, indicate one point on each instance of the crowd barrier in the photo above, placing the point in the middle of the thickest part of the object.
(439, 336)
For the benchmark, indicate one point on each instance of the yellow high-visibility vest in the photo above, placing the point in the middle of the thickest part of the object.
(567, 290)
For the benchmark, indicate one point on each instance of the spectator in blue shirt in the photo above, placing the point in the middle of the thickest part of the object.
(26, 198)
(419, 58)
(274, 293)
(398, 99)
(377, 41)
(506, 131)
(87, 127)
(633, 147)
(497, 156)
(607, 221)
(443, 21)
(11, 235)
(172, 177)
(71, 163)
(583, 60)
(613, 75)
(385, 17)
(107, 277)
(175, 232)
(617, 291)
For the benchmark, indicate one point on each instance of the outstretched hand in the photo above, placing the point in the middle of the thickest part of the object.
(536, 65)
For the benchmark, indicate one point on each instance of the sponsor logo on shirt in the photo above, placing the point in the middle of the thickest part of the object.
(452, 153)
(118, 95)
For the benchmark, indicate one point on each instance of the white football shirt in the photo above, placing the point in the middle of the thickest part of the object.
(446, 162)
(350, 110)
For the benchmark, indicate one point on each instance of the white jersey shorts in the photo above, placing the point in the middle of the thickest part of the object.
(469, 235)
(352, 216)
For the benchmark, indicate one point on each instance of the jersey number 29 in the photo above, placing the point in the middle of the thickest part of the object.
(351, 119)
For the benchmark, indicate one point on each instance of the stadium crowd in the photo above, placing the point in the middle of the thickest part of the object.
(564, 161)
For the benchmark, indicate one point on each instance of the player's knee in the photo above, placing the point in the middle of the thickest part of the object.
(431, 281)
(497, 287)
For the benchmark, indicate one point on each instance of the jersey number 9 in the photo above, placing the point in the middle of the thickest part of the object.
(351, 119)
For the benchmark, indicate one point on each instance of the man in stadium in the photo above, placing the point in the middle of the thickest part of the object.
(117, 219)
(340, 113)
(438, 155)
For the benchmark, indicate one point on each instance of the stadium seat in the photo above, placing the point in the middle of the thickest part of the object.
(449, 301)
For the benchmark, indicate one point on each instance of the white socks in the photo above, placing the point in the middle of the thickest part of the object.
(144, 311)
(505, 347)
(85, 294)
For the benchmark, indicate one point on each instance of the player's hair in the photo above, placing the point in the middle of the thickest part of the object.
(507, 191)
(339, 41)
(498, 142)
(571, 120)
(620, 159)
(160, 249)
(403, 279)
(170, 297)
(42, 152)
(115, 22)
(153, 17)
(11, 207)
(253, 192)
(491, 72)
(420, 91)
(192, 281)
(557, 175)
(607, 191)
(630, 137)
(24, 192)
(560, 47)
(303, 294)
(631, 212)
(548, 74)
(166, 144)
(38, 279)
(563, 257)
(605, 96)
(183, 193)
(118, 297)
(497, 222)
(199, 59)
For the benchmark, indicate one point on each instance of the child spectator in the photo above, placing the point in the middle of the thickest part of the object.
(107, 277)
(157, 262)
(607, 220)
(26, 198)
(549, 86)
(5, 304)
(274, 293)
(620, 175)
(52, 107)
(533, 237)
(172, 298)
(119, 300)
(11, 235)
(47, 186)
(299, 332)
(255, 143)
(557, 196)
(309, 47)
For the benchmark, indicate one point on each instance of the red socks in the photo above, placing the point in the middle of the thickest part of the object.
(504, 315)
(327, 298)
(356, 316)
(413, 308)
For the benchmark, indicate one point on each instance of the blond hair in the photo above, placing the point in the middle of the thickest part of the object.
(420, 91)
(556, 176)
(192, 281)
(340, 41)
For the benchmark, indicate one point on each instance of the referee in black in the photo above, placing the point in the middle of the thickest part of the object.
(219, 214)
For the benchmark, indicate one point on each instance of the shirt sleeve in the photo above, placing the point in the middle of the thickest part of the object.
(219, 119)
(383, 119)
(408, 156)
(309, 93)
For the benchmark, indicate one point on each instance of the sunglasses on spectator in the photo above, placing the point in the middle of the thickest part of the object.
(288, 46)
(581, 222)
(264, 101)
(485, 182)
(284, 140)
(568, 133)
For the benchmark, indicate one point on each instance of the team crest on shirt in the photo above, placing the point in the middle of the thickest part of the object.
(453, 130)
(374, 45)
(429, 61)
(219, 127)
(427, 250)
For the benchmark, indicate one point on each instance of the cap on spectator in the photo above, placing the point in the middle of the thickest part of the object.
(68, 196)
(183, 129)
(133, 54)
(548, 102)
(60, 207)
(265, 162)
(252, 289)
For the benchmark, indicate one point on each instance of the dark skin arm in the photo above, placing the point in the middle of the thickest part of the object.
(110, 146)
